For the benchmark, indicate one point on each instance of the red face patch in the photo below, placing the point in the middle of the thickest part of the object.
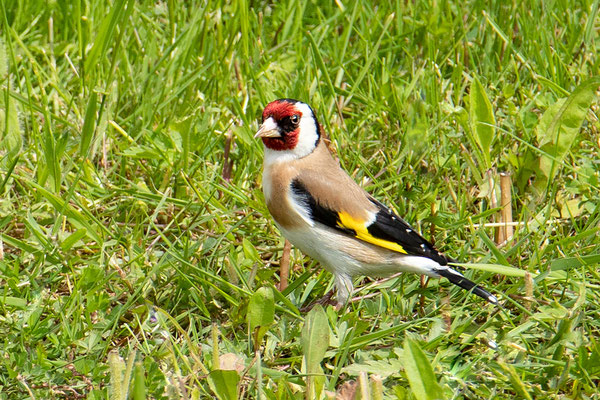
(281, 111)
(287, 142)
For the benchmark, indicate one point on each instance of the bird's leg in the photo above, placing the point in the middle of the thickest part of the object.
(284, 266)
(374, 284)
(424, 282)
(343, 284)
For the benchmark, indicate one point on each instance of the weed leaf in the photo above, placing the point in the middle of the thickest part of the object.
(261, 312)
(482, 121)
(556, 137)
(224, 383)
(315, 338)
(422, 380)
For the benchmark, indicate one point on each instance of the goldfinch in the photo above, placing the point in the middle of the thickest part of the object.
(322, 211)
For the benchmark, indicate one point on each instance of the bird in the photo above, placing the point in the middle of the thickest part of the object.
(322, 211)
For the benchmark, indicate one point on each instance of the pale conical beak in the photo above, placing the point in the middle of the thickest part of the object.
(268, 128)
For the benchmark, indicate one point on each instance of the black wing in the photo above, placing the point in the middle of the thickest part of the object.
(389, 226)
(387, 230)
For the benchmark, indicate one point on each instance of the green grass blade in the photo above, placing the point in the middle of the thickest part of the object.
(105, 35)
(574, 262)
(139, 382)
(320, 63)
(74, 216)
(589, 26)
(516, 381)
(496, 269)
(8, 173)
(89, 125)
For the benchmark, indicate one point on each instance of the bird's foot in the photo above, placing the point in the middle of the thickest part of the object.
(324, 301)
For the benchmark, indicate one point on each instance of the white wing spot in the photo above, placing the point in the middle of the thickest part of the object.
(423, 246)
(299, 204)
(408, 230)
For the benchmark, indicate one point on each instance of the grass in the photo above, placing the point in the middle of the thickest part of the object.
(134, 240)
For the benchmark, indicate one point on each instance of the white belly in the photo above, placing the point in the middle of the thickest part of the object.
(343, 255)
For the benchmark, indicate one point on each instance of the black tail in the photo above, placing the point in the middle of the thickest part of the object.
(459, 280)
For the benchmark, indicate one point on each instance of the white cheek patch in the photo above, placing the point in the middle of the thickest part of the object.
(308, 136)
(307, 139)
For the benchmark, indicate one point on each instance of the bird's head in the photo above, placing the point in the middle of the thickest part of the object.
(289, 126)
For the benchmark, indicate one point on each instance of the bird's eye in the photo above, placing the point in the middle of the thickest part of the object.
(295, 119)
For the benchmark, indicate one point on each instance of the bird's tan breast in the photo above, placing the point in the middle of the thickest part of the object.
(276, 187)
(327, 183)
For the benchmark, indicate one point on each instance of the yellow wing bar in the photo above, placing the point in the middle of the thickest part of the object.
(362, 233)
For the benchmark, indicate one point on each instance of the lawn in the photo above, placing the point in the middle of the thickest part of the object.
(137, 254)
